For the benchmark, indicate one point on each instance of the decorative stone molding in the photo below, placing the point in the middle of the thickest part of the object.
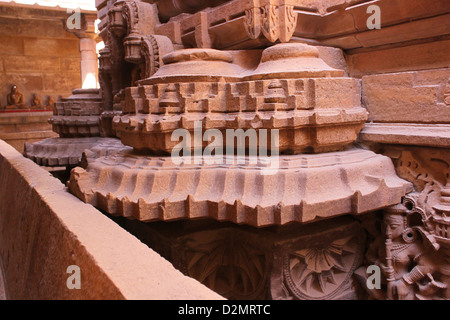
(78, 115)
(57, 152)
(153, 48)
(304, 98)
(154, 188)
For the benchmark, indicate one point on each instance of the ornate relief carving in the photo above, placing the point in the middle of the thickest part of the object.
(225, 262)
(320, 272)
(252, 22)
(288, 22)
(276, 22)
(413, 248)
(318, 267)
(270, 22)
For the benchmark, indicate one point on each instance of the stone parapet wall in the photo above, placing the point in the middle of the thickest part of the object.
(41, 237)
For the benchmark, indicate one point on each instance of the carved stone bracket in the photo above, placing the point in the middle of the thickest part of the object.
(275, 22)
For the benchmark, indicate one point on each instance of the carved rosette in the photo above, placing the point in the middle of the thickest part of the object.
(242, 263)
(319, 267)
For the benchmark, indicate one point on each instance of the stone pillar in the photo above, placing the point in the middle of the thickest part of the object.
(89, 63)
(88, 50)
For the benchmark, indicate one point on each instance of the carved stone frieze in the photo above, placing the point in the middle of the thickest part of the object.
(302, 262)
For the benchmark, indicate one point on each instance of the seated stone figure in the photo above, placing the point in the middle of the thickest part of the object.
(50, 103)
(36, 102)
(15, 99)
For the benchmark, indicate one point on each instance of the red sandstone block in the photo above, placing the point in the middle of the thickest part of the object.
(431, 55)
(51, 47)
(70, 65)
(31, 64)
(407, 97)
(57, 82)
(11, 46)
(27, 82)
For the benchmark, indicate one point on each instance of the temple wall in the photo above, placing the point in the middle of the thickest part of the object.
(40, 57)
(37, 54)
(52, 230)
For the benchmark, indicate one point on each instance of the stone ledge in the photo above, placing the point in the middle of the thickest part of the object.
(433, 135)
(28, 135)
(41, 237)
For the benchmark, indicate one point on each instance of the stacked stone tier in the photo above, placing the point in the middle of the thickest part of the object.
(292, 90)
(78, 115)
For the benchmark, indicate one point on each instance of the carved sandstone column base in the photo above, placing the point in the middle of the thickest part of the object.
(299, 188)
(56, 152)
(78, 115)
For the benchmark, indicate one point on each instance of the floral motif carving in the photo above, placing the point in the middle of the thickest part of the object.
(270, 22)
(320, 272)
(228, 264)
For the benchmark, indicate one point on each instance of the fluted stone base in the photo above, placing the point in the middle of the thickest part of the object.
(301, 188)
(56, 152)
